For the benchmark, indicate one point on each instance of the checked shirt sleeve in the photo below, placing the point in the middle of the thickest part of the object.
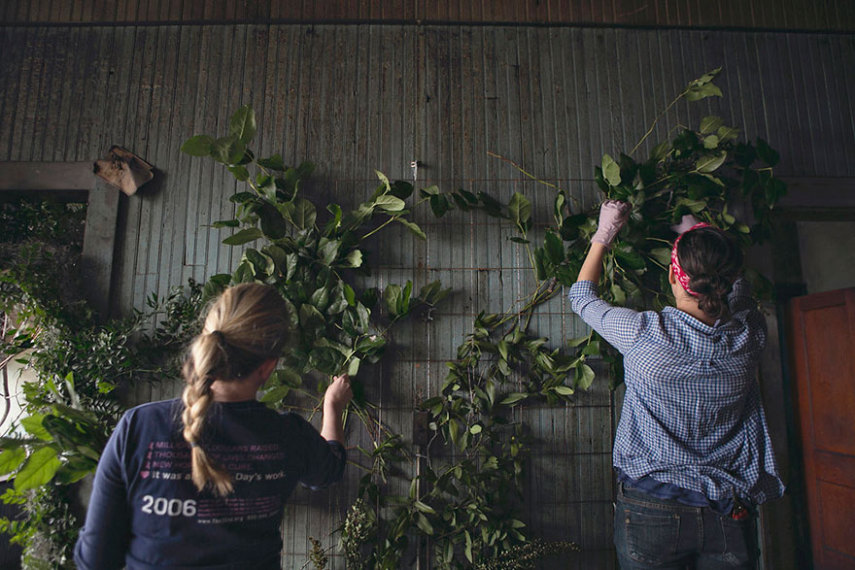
(620, 327)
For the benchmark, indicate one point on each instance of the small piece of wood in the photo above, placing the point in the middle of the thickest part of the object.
(124, 170)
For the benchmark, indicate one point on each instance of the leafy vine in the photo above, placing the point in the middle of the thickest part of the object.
(463, 504)
(465, 499)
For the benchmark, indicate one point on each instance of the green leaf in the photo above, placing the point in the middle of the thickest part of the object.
(711, 142)
(387, 187)
(513, 398)
(564, 390)
(584, 376)
(424, 524)
(727, 133)
(39, 468)
(695, 206)
(228, 150)
(611, 170)
(350, 295)
(199, 145)
(429, 191)
(554, 248)
(286, 376)
(242, 197)
(766, 153)
(35, 426)
(439, 205)
(273, 225)
(353, 366)
(326, 359)
(274, 395)
(328, 250)
(320, 298)
(389, 203)
(519, 209)
(11, 459)
(354, 258)
(660, 151)
(275, 162)
(619, 299)
(239, 172)
(578, 341)
(401, 189)
(424, 507)
(242, 124)
(710, 163)
(629, 258)
(311, 320)
(703, 87)
(661, 255)
(392, 298)
(244, 236)
(262, 266)
(541, 264)
(413, 227)
(304, 215)
(710, 124)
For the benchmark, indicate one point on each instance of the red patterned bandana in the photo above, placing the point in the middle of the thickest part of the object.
(682, 277)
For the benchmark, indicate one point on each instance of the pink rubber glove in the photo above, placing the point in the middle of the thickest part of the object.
(685, 224)
(613, 216)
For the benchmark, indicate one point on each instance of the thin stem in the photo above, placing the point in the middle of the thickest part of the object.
(529, 175)
(380, 227)
(656, 120)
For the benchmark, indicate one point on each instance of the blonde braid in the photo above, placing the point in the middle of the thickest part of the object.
(246, 325)
(197, 399)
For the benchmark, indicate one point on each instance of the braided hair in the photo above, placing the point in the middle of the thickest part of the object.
(713, 260)
(246, 325)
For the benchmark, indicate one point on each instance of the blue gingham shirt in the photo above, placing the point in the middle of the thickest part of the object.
(692, 415)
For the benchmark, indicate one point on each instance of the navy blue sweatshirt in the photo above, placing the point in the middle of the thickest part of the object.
(146, 513)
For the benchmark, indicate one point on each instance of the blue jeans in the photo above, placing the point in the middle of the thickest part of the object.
(657, 533)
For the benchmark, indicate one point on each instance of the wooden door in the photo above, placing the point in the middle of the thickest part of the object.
(822, 338)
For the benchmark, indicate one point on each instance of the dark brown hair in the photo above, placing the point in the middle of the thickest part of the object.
(713, 260)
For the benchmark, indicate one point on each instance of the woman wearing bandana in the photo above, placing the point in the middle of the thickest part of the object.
(692, 450)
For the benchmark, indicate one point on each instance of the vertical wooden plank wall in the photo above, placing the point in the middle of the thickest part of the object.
(766, 14)
(357, 98)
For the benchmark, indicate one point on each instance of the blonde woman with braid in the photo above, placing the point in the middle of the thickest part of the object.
(201, 481)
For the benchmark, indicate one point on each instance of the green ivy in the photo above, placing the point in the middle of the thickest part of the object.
(465, 502)
(72, 407)
(470, 509)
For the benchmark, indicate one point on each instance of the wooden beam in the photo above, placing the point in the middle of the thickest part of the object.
(99, 244)
(818, 194)
(75, 180)
(46, 176)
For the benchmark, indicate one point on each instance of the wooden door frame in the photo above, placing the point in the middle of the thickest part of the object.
(76, 180)
(807, 199)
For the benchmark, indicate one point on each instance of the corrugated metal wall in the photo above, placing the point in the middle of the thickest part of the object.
(357, 98)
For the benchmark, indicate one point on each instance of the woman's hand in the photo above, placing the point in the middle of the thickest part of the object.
(339, 393)
(613, 216)
(336, 398)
